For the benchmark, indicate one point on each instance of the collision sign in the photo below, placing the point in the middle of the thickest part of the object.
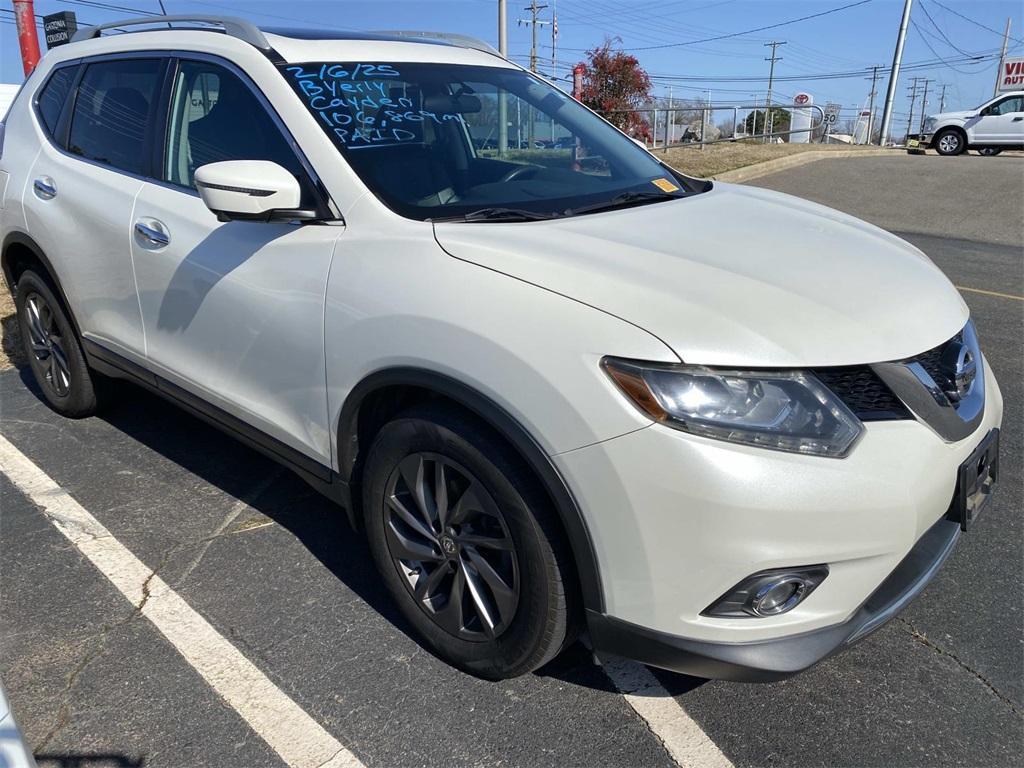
(1011, 75)
(59, 28)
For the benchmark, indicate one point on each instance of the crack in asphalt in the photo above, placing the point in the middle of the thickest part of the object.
(922, 638)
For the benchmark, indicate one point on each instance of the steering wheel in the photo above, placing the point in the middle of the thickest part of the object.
(522, 171)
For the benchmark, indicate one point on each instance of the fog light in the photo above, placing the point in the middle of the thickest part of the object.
(769, 593)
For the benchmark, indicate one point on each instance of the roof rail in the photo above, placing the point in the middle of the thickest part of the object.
(461, 41)
(232, 26)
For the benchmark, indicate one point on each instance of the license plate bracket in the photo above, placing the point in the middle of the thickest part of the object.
(975, 481)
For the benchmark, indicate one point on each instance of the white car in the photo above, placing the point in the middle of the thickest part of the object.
(996, 125)
(723, 430)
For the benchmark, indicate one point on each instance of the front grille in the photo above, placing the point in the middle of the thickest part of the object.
(863, 393)
(931, 361)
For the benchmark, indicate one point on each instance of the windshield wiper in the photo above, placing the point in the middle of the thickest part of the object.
(624, 200)
(502, 214)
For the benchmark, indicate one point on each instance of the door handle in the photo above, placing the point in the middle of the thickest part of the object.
(44, 188)
(151, 236)
(1017, 119)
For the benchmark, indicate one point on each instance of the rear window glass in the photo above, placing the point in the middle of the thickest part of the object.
(112, 111)
(53, 95)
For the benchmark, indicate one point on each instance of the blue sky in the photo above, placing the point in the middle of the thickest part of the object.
(843, 41)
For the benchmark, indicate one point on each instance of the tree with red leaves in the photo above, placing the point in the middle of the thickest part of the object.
(614, 80)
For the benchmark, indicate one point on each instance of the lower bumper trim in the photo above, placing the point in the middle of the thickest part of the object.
(776, 659)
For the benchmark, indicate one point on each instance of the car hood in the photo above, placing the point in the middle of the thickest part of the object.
(945, 116)
(734, 276)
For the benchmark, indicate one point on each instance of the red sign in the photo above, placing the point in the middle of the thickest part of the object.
(801, 98)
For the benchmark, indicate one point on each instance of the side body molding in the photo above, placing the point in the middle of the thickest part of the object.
(349, 456)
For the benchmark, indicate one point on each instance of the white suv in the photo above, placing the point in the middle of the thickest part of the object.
(996, 125)
(558, 385)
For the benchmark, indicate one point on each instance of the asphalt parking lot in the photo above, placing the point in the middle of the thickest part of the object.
(271, 567)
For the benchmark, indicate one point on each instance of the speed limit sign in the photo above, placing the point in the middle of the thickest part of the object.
(831, 116)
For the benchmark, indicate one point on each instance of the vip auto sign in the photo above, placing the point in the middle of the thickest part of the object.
(1011, 78)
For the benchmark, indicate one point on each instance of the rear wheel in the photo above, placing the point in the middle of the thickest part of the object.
(949, 142)
(52, 349)
(467, 543)
(989, 151)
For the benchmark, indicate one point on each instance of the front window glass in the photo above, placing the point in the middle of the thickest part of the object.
(215, 117)
(1007, 106)
(445, 140)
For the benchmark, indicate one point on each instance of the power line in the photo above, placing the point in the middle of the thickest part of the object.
(938, 29)
(745, 32)
(920, 33)
(975, 23)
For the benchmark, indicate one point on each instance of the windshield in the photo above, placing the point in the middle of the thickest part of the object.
(438, 141)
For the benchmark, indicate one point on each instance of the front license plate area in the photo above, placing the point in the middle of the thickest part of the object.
(976, 479)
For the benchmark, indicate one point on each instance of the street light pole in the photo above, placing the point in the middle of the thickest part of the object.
(894, 73)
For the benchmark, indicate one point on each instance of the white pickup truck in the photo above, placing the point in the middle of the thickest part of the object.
(996, 125)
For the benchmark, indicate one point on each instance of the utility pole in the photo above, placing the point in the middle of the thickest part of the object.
(1002, 57)
(942, 99)
(502, 96)
(924, 105)
(28, 39)
(771, 76)
(894, 73)
(533, 22)
(871, 103)
(913, 98)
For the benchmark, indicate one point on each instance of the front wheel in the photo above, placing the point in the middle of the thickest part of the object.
(52, 348)
(467, 543)
(950, 142)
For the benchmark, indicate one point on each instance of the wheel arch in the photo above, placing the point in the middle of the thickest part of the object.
(381, 395)
(21, 252)
(959, 129)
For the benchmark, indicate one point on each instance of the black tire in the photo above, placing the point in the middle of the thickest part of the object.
(543, 619)
(53, 349)
(950, 142)
(989, 151)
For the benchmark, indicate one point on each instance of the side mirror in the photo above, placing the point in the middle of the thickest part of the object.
(250, 190)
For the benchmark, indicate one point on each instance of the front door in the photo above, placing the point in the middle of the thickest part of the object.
(1001, 122)
(233, 312)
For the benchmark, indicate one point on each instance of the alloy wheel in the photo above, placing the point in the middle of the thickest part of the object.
(47, 344)
(949, 143)
(449, 542)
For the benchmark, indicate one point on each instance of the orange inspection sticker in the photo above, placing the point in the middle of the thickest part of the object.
(665, 185)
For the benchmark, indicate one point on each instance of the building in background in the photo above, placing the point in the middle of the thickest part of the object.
(7, 94)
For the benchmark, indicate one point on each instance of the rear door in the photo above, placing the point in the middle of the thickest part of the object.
(233, 312)
(82, 187)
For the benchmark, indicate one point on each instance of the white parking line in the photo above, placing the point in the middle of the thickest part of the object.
(273, 715)
(684, 739)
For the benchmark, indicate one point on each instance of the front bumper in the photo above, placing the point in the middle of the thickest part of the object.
(767, 660)
(677, 520)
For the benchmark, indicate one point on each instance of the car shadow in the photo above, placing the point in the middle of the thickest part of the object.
(318, 523)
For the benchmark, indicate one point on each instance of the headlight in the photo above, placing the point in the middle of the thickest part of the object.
(781, 410)
(929, 124)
